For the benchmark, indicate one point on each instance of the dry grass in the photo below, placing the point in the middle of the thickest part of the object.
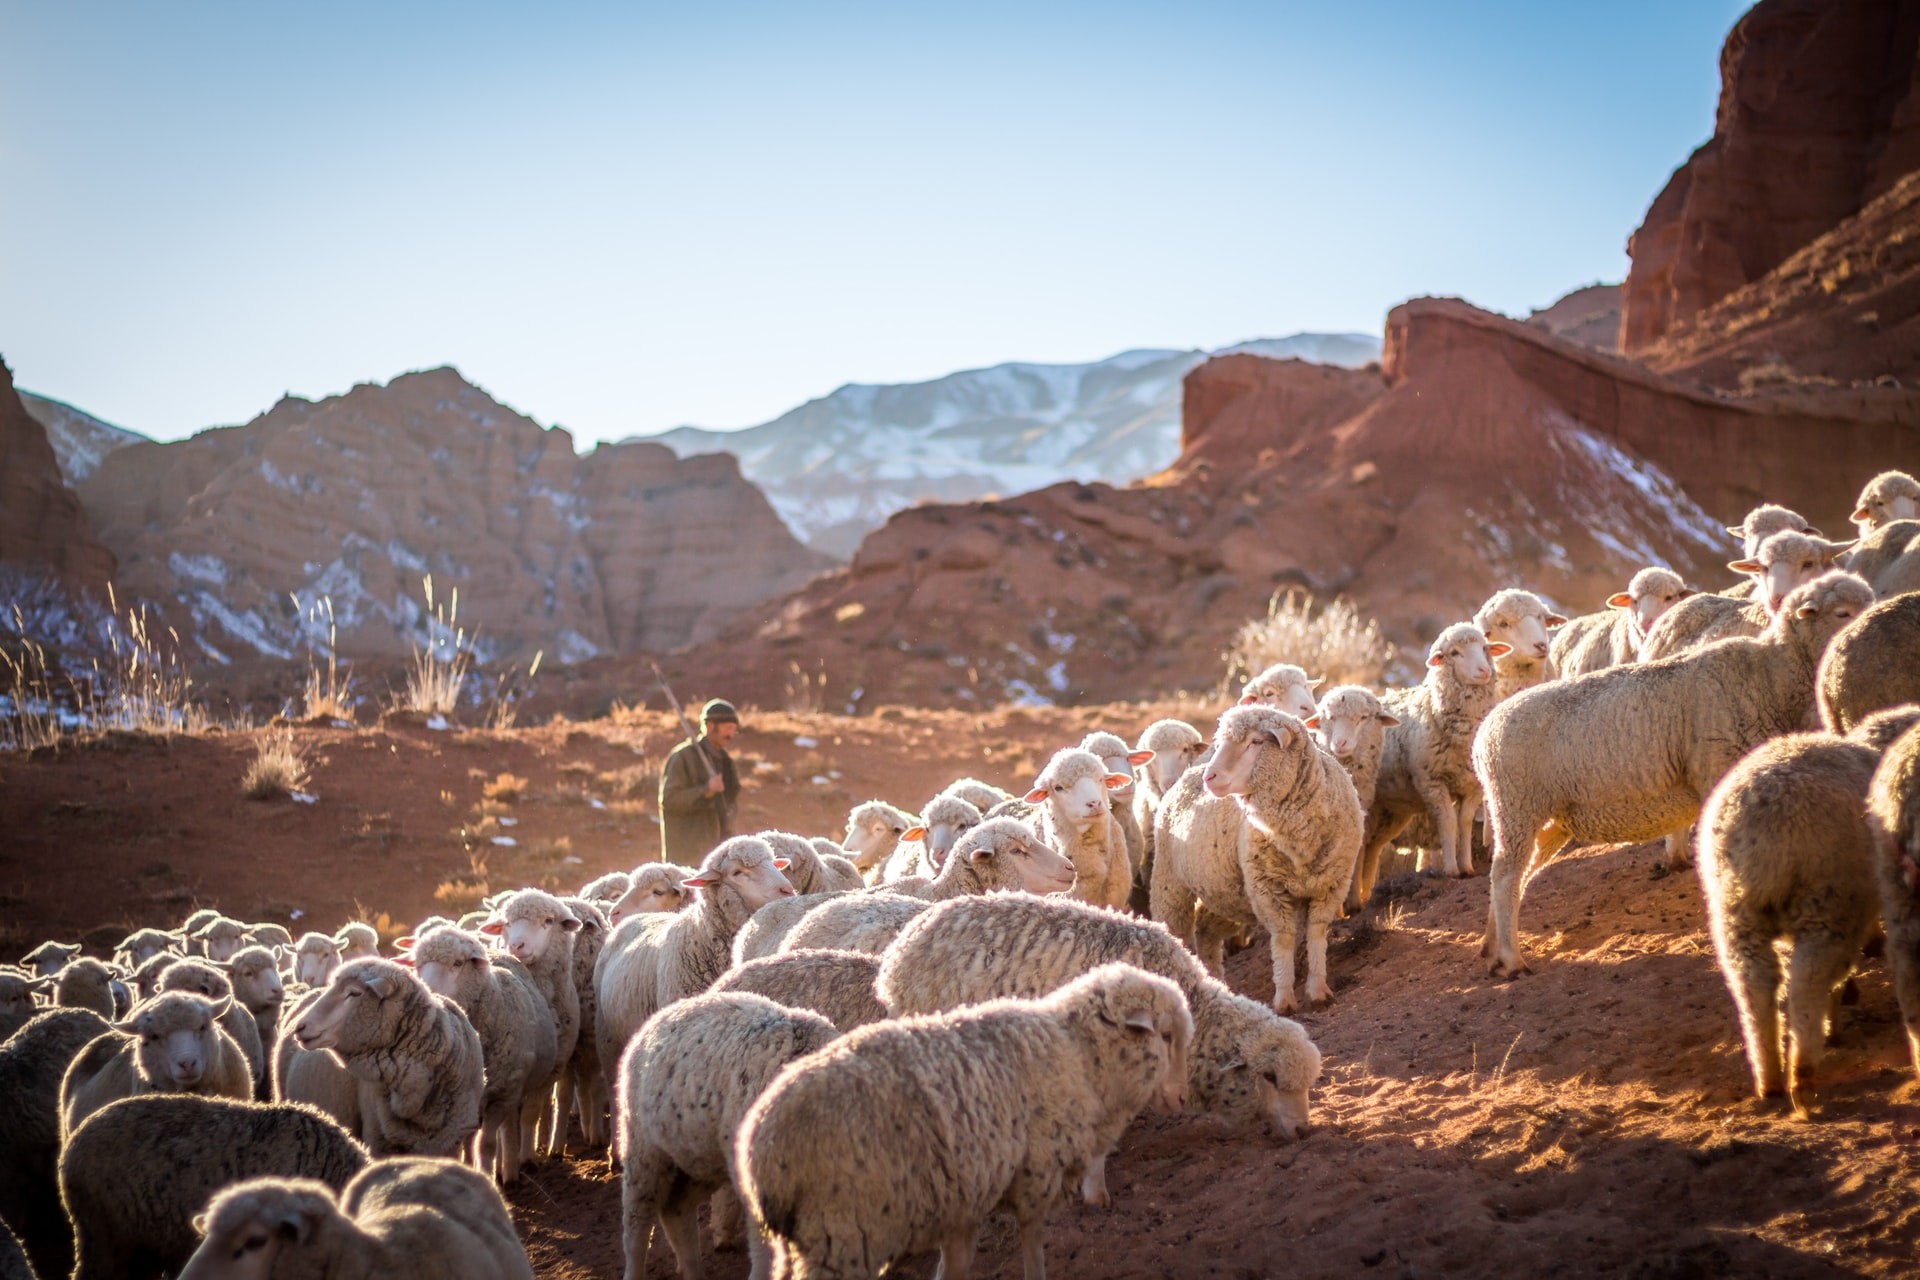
(509, 691)
(1336, 643)
(439, 669)
(806, 691)
(328, 692)
(140, 687)
(504, 789)
(276, 769)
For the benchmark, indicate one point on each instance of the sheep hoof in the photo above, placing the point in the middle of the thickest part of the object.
(1320, 999)
(1508, 968)
(1285, 1005)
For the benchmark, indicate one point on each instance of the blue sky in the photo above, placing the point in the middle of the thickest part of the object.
(623, 217)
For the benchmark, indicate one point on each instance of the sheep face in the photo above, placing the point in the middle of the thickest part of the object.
(1113, 753)
(1175, 746)
(1651, 593)
(49, 958)
(872, 832)
(255, 972)
(348, 1014)
(316, 959)
(144, 945)
(945, 819)
(1265, 1073)
(269, 935)
(1013, 847)
(1889, 496)
(1076, 783)
(528, 922)
(175, 1037)
(1519, 620)
(658, 886)
(747, 867)
(1244, 733)
(357, 942)
(1143, 1005)
(221, 938)
(248, 1227)
(146, 979)
(1787, 560)
(448, 960)
(1347, 717)
(1283, 687)
(1816, 612)
(198, 977)
(1763, 522)
(16, 994)
(607, 889)
(1465, 650)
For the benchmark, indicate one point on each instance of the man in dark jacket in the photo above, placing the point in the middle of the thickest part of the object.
(699, 789)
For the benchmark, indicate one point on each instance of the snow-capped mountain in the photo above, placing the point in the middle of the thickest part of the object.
(835, 468)
(79, 439)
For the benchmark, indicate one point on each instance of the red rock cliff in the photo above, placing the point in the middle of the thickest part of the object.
(42, 525)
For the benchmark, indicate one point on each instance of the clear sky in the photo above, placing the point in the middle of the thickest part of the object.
(623, 217)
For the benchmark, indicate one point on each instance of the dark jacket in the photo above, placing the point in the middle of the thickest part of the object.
(691, 821)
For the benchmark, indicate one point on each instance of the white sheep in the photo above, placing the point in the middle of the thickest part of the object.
(1176, 747)
(652, 960)
(268, 935)
(142, 945)
(807, 869)
(17, 1005)
(1872, 665)
(135, 1174)
(538, 930)
(87, 983)
(1785, 856)
(1520, 620)
(220, 937)
(768, 927)
(1351, 725)
(315, 957)
(417, 1058)
(1613, 636)
(1009, 1104)
(874, 831)
(607, 889)
(49, 958)
(357, 941)
(1893, 820)
(1784, 561)
(1249, 1065)
(204, 978)
(840, 986)
(33, 1062)
(981, 795)
(1889, 496)
(171, 1044)
(1763, 522)
(1889, 558)
(1631, 754)
(584, 1085)
(924, 846)
(653, 886)
(423, 1219)
(1074, 817)
(686, 1082)
(259, 988)
(1284, 687)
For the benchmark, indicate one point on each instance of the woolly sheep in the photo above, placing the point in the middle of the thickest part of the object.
(652, 960)
(171, 1044)
(357, 942)
(1009, 1105)
(315, 959)
(33, 1062)
(768, 927)
(146, 978)
(220, 937)
(1630, 754)
(192, 925)
(16, 1000)
(142, 945)
(258, 987)
(1889, 558)
(923, 847)
(1249, 1065)
(203, 978)
(134, 1216)
(47, 959)
(1763, 522)
(1784, 561)
(424, 1219)
(1074, 817)
(1284, 686)
(1000, 854)
(585, 1080)
(874, 830)
(1874, 663)
(981, 795)
(1351, 723)
(1294, 850)
(686, 1082)
(1785, 856)
(518, 1050)
(268, 935)
(655, 886)
(1425, 766)
(1893, 820)
(1613, 636)
(315, 1077)
(1889, 496)
(85, 983)
(1176, 747)
(414, 1053)
(538, 930)
(1520, 620)
(807, 871)
(837, 985)
(607, 889)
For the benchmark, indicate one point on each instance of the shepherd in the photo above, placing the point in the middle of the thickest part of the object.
(699, 788)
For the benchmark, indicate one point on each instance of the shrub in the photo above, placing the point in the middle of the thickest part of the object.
(1335, 643)
(276, 770)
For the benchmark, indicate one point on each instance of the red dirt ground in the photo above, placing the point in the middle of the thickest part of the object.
(1590, 1119)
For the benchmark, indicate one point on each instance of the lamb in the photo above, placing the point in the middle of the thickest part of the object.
(1784, 561)
(686, 1082)
(807, 870)
(1249, 1065)
(315, 1077)
(134, 1216)
(655, 886)
(607, 889)
(1651, 743)
(315, 959)
(874, 830)
(1889, 496)
(837, 985)
(1009, 1104)
(1520, 620)
(1075, 818)
(653, 960)
(414, 1053)
(202, 978)
(1763, 522)
(1298, 842)
(1893, 820)
(357, 942)
(1000, 854)
(425, 1219)
(518, 1050)
(49, 958)
(219, 937)
(1874, 663)
(1424, 760)
(768, 927)
(923, 847)
(86, 983)
(1785, 855)
(1119, 758)
(33, 1062)
(1613, 636)
(1351, 723)
(538, 930)
(16, 1000)
(171, 1044)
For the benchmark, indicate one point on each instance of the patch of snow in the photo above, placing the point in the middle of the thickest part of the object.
(506, 821)
(201, 568)
(505, 842)
(303, 797)
(571, 647)
(438, 722)
(1020, 693)
(803, 741)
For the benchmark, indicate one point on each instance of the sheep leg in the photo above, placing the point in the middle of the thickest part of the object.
(1446, 820)
(1366, 871)
(1820, 962)
(1174, 902)
(679, 1210)
(639, 1195)
(531, 1108)
(1753, 978)
(1680, 849)
(1463, 840)
(1211, 934)
(1903, 960)
(1518, 851)
(592, 1091)
(1282, 919)
(1321, 913)
(512, 1151)
(726, 1219)
(1093, 1186)
(1033, 1249)
(562, 1112)
(759, 1254)
(956, 1254)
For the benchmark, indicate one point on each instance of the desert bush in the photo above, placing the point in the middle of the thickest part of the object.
(1335, 643)
(505, 788)
(327, 693)
(439, 669)
(276, 769)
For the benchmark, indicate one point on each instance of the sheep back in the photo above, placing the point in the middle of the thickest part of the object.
(33, 1062)
(1872, 664)
(840, 986)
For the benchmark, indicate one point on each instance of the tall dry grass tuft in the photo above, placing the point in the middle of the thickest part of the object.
(276, 769)
(509, 691)
(328, 693)
(30, 707)
(140, 686)
(1336, 642)
(439, 670)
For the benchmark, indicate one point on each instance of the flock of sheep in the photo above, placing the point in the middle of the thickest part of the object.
(858, 1049)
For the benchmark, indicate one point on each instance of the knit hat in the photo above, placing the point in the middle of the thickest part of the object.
(719, 711)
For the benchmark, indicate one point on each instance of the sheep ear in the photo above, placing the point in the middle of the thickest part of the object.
(1387, 718)
(914, 833)
(779, 864)
(1436, 659)
(1036, 795)
(985, 853)
(1142, 756)
(1141, 1020)
(1806, 611)
(222, 1006)
(405, 962)
(199, 1224)
(1861, 514)
(494, 927)
(1745, 566)
(1555, 620)
(1837, 549)
(1316, 682)
(1247, 699)
(1619, 600)
(404, 943)
(1498, 649)
(1812, 532)
(1115, 781)
(1312, 721)
(696, 882)
(1736, 531)
(569, 924)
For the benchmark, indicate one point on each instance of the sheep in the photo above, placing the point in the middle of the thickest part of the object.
(1119, 758)
(652, 960)
(607, 889)
(16, 1000)
(1075, 818)
(1785, 856)
(315, 1076)
(192, 925)
(1002, 853)
(417, 1058)
(1282, 685)
(807, 871)
(1424, 765)
(768, 927)
(1889, 558)
(1351, 724)
(1763, 522)
(981, 795)
(142, 945)
(1874, 663)
(1632, 753)
(219, 938)
(134, 1216)
(686, 1082)
(518, 1048)
(1176, 747)
(357, 942)
(1520, 620)
(1893, 819)
(171, 1044)
(48, 958)
(1613, 636)
(33, 1062)
(202, 978)
(1784, 561)
(258, 987)
(86, 983)
(655, 886)
(585, 1079)
(315, 959)
(1293, 850)
(1249, 1065)
(874, 830)
(268, 935)
(837, 985)
(923, 847)
(425, 1219)
(1009, 1104)
(538, 930)
(1889, 496)
(13, 1258)
(146, 978)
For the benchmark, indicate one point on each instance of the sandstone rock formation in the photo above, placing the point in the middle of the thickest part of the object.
(42, 525)
(357, 497)
(1589, 316)
(79, 439)
(1819, 114)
